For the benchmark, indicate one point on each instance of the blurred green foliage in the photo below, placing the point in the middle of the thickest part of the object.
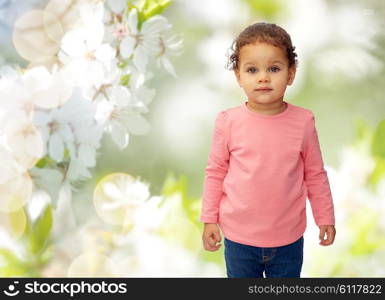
(149, 8)
(190, 207)
(367, 242)
(268, 9)
(378, 153)
(34, 243)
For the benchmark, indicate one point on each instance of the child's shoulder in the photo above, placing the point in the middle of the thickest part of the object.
(231, 111)
(302, 111)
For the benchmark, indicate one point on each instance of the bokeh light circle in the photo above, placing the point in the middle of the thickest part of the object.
(117, 196)
(32, 34)
(15, 193)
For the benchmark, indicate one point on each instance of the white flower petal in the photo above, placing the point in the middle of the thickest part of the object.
(72, 150)
(137, 79)
(44, 131)
(72, 43)
(94, 36)
(140, 59)
(154, 25)
(77, 170)
(137, 191)
(113, 205)
(133, 21)
(87, 155)
(9, 168)
(103, 111)
(174, 46)
(145, 94)
(105, 53)
(167, 65)
(111, 190)
(127, 46)
(119, 135)
(41, 118)
(90, 133)
(88, 92)
(56, 147)
(91, 13)
(94, 74)
(117, 6)
(37, 78)
(152, 47)
(26, 143)
(120, 95)
(56, 95)
(66, 132)
(138, 125)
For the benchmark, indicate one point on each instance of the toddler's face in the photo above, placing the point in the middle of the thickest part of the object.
(262, 65)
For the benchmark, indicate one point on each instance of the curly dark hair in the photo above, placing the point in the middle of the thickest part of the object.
(261, 32)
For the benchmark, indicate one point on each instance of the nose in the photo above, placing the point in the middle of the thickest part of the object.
(263, 77)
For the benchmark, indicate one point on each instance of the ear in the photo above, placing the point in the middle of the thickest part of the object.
(238, 76)
(292, 72)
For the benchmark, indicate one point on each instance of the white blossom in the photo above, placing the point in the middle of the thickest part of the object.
(72, 127)
(15, 99)
(170, 45)
(87, 58)
(48, 89)
(24, 141)
(9, 167)
(144, 43)
(139, 92)
(117, 196)
(118, 110)
(116, 6)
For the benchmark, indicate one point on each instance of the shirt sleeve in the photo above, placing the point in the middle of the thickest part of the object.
(216, 170)
(316, 178)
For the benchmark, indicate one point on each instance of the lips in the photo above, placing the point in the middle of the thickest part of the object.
(264, 89)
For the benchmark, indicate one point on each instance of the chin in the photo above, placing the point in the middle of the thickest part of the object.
(262, 102)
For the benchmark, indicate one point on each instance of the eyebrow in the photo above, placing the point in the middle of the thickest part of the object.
(273, 62)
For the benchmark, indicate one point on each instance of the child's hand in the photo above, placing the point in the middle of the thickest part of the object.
(211, 236)
(330, 233)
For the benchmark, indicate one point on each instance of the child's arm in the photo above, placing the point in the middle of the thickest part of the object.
(215, 172)
(316, 179)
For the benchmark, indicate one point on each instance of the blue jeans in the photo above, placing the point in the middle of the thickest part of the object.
(249, 261)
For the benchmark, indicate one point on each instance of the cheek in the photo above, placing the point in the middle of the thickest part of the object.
(283, 80)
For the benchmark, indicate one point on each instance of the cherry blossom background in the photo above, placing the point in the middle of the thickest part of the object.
(106, 115)
(86, 73)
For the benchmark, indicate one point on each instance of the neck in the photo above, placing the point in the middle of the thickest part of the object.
(267, 109)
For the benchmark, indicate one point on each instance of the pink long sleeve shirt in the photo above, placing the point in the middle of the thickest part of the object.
(260, 171)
